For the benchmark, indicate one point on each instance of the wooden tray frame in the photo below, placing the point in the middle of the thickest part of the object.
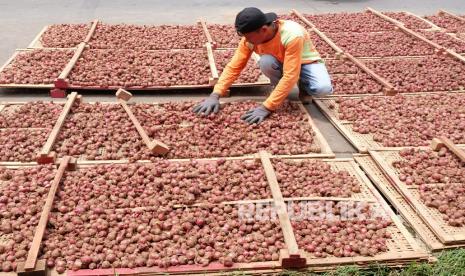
(15, 164)
(262, 79)
(397, 200)
(37, 86)
(320, 141)
(362, 142)
(388, 87)
(402, 238)
(440, 49)
(36, 43)
(409, 251)
(326, 151)
(38, 265)
(446, 234)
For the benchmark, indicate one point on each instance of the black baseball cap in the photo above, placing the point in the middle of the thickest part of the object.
(251, 19)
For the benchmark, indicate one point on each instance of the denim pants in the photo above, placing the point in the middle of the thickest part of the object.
(314, 78)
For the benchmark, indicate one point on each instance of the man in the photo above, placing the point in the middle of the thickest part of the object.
(287, 57)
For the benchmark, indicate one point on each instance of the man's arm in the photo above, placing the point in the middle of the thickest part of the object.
(234, 68)
(291, 73)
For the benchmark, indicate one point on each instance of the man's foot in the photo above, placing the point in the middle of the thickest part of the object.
(304, 97)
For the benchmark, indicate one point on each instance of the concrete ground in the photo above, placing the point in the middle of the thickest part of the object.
(21, 20)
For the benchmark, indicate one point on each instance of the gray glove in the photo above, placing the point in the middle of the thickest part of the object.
(210, 104)
(256, 115)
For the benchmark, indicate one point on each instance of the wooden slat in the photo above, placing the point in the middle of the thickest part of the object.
(91, 32)
(452, 15)
(36, 43)
(397, 200)
(281, 209)
(328, 198)
(58, 124)
(154, 146)
(40, 229)
(206, 32)
(270, 176)
(420, 207)
(19, 85)
(436, 144)
(387, 209)
(384, 82)
(64, 74)
(370, 72)
(385, 17)
(211, 61)
(455, 55)
(434, 27)
(318, 32)
(406, 30)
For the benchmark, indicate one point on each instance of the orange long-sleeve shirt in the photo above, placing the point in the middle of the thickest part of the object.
(291, 46)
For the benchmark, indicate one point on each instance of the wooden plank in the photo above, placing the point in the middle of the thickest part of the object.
(318, 32)
(154, 146)
(407, 212)
(44, 155)
(257, 268)
(455, 55)
(62, 82)
(319, 138)
(421, 37)
(40, 229)
(419, 206)
(211, 62)
(139, 88)
(36, 43)
(434, 27)
(459, 18)
(361, 65)
(206, 32)
(91, 32)
(385, 17)
(19, 85)
(292, 255)
(387, 209)
(389, 87)
(405, 29)
(328, 198)
(451, 146)
(271, 176)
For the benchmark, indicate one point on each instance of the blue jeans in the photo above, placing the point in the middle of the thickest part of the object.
(314, 78)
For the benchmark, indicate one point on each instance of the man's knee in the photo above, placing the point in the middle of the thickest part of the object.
(316, 89)
(322, 88)
(269, 65)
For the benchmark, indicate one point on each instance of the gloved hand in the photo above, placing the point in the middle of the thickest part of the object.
(210, 104)
(256, 115)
